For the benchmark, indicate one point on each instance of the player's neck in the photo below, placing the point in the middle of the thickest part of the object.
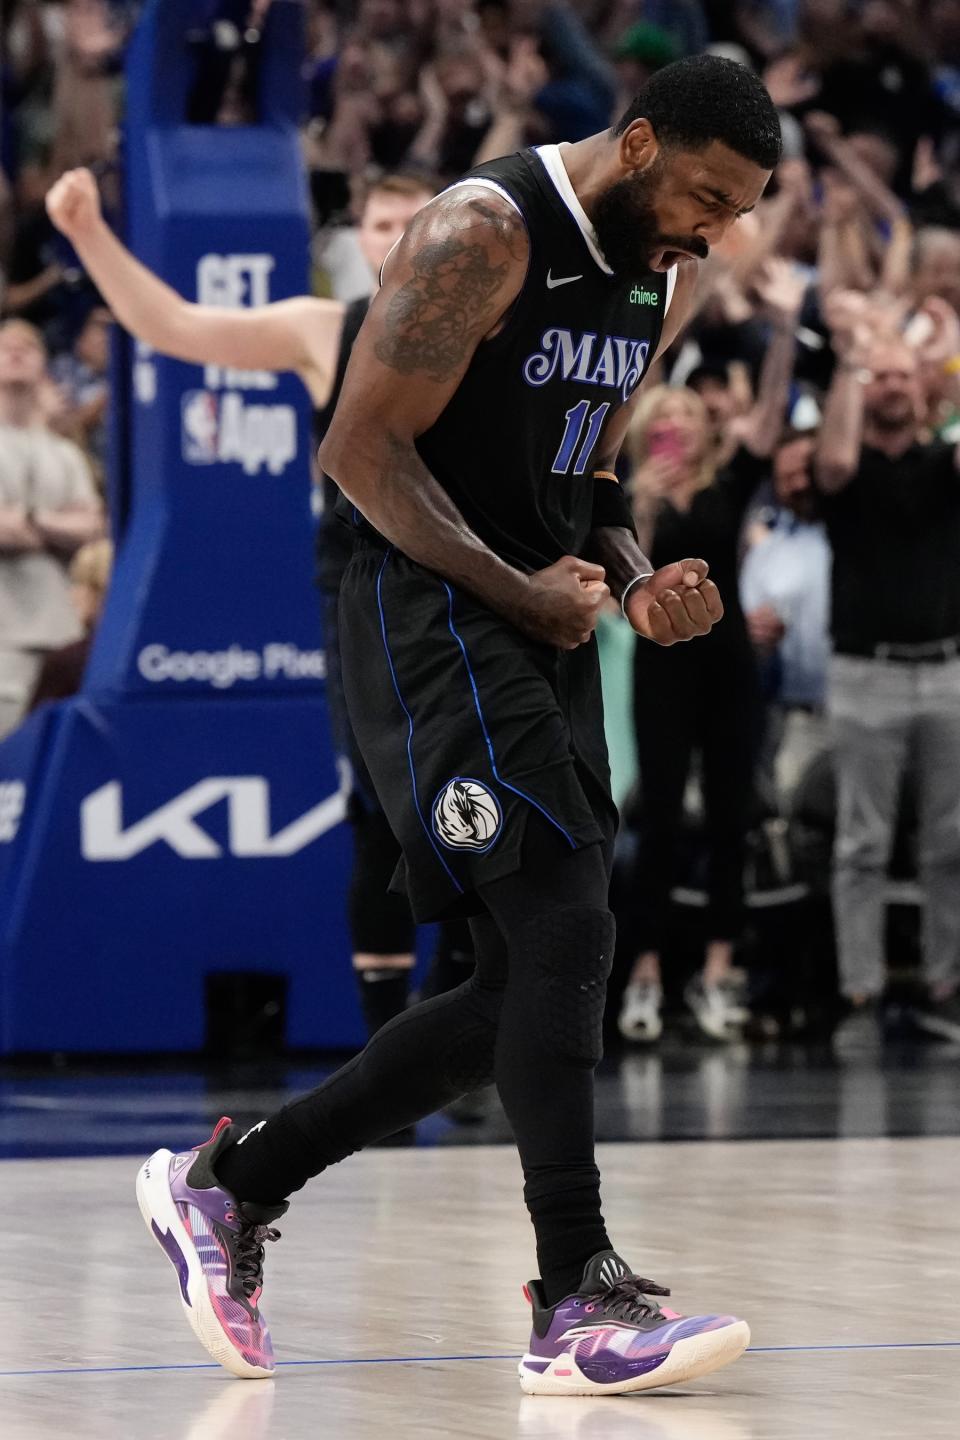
(591, 169)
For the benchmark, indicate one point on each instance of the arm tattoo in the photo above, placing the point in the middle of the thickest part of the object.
(510, 228)
(432, 321)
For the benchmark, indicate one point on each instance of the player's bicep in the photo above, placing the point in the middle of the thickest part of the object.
(438, 302)
(613, 435)
(454, 274)
(403, 370)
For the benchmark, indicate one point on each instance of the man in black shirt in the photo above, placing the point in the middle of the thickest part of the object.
(892, 508)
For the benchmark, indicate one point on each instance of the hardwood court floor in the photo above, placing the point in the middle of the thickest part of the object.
(394, 1299)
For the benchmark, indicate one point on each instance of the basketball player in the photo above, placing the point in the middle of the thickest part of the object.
(312, 337)
(475, 439)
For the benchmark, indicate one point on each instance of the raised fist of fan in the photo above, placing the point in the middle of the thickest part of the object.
(781, 287)
(852, 322)
(678, 602)
(73, 203)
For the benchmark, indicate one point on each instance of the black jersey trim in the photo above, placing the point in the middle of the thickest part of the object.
(545, 184)
(556, 171)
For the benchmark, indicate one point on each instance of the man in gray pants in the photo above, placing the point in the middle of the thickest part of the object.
(892, 507)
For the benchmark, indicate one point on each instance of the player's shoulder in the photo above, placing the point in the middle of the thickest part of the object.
(472, 214)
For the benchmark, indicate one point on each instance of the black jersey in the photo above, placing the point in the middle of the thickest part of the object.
(446, 697)
(514, 447)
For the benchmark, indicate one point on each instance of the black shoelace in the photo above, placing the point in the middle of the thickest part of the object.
(628, 1299)
(248, 1250)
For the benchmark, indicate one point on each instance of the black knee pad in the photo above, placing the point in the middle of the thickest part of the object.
(380, 922)
(568, 955)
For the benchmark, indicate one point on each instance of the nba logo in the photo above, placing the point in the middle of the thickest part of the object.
(200, 427)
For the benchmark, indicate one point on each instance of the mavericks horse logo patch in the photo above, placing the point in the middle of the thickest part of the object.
(466, 815)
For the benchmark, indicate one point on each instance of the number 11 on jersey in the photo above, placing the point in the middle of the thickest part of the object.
(576, 419)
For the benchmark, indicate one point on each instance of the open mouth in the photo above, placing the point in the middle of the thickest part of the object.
(666, 259)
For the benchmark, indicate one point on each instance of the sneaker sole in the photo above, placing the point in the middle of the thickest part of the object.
(686, 1360)
(640, 1034)
(160, 1216)
(720, 1034)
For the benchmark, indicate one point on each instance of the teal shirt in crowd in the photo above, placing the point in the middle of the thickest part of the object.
(616, 641)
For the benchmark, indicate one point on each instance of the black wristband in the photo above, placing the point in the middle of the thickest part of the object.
(611, 508)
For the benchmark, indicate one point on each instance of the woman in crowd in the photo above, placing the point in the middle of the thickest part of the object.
(707, 704)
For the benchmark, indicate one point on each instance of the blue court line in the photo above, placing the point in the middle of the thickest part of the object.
(287, 1364)
(446, 1359)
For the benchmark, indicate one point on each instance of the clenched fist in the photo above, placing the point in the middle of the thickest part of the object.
(562, 603)
(676, 603)
(73, 203)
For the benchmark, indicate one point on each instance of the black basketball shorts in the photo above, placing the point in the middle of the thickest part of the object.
(466, 727)
(363, 796)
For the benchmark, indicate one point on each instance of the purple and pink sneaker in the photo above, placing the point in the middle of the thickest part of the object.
(610, 1337)
(215, 1243)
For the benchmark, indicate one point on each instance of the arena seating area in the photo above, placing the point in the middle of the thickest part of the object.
(858, 232)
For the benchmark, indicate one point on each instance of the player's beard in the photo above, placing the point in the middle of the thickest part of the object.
(628, 232)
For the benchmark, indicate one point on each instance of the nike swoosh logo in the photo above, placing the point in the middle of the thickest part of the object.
(252, 1131)
(564, 280)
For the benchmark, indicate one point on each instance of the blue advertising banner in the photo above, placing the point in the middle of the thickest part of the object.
(182, 816)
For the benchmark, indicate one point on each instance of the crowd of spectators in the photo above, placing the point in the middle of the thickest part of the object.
(801, 426)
